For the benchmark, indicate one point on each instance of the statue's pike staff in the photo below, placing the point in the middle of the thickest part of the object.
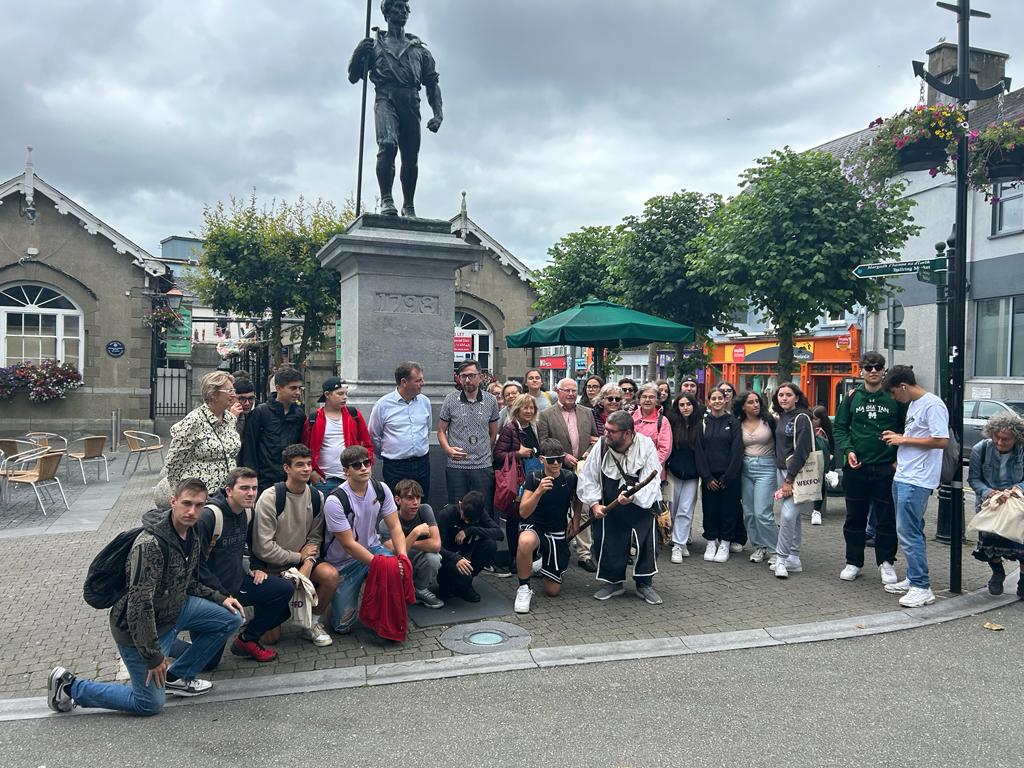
(362, 119)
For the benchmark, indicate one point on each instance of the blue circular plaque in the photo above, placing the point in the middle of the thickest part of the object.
(115, 348)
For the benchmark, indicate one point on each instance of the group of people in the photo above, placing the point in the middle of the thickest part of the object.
(263, 499)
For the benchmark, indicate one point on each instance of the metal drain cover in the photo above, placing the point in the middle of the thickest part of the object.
(485, 637)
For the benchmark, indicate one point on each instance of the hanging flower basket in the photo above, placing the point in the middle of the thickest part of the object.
(1006, 165)
(922, 155)
(997, 156)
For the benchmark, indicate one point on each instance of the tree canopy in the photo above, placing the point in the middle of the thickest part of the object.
(579, 269)
(788, 243)
(262, 261)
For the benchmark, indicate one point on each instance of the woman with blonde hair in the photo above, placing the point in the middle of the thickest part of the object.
(205, 443)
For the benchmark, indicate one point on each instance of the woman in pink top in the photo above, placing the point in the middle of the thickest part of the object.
(651, 421)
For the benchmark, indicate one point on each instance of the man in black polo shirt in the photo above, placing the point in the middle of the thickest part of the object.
(544, 510)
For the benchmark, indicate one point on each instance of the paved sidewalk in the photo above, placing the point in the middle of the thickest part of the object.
(46, 621)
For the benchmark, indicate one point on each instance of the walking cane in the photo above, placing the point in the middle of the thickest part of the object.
(625, 492)
(362, 120)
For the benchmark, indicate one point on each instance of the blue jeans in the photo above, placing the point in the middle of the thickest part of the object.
(346, 597)
(788, 545)
(209, 625)
(758, 484)
(911, 502)
(328, 485)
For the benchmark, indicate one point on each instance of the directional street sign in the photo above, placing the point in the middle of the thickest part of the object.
(891, 268)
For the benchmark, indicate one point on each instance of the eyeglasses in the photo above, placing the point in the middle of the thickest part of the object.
(554, 459)
(614, 399)
(612, 431)
(468, 375)
(358, 464)
(728, 390)
(227, 391)
(869, 368)
(247, 398)
(628, 389)
(593, 386)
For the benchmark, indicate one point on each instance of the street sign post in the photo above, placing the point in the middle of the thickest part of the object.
(893, 268)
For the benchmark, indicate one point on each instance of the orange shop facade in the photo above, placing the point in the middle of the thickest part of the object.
(827, 364)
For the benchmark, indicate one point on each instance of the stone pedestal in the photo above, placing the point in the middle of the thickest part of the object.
(397, 301)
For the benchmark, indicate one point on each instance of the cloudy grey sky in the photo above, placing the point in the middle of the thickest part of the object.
(558, 113)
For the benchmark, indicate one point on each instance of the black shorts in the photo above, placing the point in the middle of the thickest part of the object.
(554, 552)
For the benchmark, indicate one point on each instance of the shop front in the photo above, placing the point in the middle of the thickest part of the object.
(827, 365)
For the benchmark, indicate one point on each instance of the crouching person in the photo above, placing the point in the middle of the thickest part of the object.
(288, 531)
(545, 509)
(223, 531)
(469, 542)
(422, 540)
(163, 598)
(351, 513)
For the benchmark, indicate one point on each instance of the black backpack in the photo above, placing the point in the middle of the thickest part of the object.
(106, 580)
(281, 498)
(346, 506)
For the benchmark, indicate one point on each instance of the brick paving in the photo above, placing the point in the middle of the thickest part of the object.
(46, 621)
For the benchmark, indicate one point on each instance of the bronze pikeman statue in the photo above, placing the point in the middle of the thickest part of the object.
(397, 64)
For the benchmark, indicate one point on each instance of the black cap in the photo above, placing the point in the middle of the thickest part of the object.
(332, 383)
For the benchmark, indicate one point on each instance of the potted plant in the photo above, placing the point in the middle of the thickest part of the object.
(918, 139)
(49, 380)
(161, 319)
(997, 155)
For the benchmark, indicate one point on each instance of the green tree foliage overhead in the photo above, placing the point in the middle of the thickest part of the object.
(262, 261)
(789, 242)
(579, 269)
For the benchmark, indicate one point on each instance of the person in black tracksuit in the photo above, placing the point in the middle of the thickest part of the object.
(272, 427)
(222, 568)
(469, 542)
(720, 461)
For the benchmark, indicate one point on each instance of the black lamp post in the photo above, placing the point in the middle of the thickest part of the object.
(964, 89)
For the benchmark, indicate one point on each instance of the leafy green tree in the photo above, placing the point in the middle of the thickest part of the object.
(579, 269)
(789, 241)
(262, 261)
(654, 268)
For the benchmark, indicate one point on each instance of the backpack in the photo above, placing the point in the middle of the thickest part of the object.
(952, 469)
(106, 580)
(218, 525)
(312, 417)
(281, 498)
(346, 506)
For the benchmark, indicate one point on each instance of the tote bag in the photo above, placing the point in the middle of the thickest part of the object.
(507, 480)
(1006, 519)
(807, 484)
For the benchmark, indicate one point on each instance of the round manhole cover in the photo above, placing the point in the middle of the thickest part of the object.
(485, 637)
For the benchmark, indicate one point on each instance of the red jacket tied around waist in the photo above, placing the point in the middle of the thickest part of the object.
(385, 596)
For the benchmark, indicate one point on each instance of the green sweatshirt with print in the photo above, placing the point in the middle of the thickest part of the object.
(860, 421)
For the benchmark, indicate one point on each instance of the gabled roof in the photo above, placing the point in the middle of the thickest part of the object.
(463, 225)
(29, 183)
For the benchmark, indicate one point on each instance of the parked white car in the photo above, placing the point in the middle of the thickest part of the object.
(977, 412)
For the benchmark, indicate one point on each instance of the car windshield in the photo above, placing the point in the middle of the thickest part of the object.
(1018, 407)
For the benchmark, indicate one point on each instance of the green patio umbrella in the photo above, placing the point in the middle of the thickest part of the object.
(596, 323)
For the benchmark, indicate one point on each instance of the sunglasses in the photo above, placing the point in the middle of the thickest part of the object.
(873, 367)
(554, 459)
(628, 389)
(358, 464)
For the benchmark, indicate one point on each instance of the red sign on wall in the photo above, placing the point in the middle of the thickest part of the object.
(463, 343)
(739, 353)
(552, 364)
(843, 342)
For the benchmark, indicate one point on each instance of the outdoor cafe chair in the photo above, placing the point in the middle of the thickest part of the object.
(141, 443)
(54, 443)
(39, 471)
(12, 460)
(91, 451)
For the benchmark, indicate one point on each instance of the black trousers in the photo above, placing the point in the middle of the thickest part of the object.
(480, 552)
(462, 481)
(613, 536)
(870, 485)
(417, 468)
(720, 518)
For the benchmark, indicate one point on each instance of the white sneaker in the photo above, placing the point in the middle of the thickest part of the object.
(758, 555)
(677, 553)
(849, 573)
(793, 565)
(898, 588)
(772, 560)
(815, 518)
(722, 555)
(735, 547)
(196, 687)
(888, 573)
(709, 553)
(523, 596)
(917, 597)
(780, 570)
(686, 550)
(537, 565)
(318, 635)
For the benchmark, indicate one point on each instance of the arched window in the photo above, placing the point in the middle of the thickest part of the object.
(37, 323)
(478, 339)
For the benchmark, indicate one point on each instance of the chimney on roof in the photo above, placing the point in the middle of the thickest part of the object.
(987, 68)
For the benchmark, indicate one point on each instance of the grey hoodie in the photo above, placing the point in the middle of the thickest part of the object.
(154, 599)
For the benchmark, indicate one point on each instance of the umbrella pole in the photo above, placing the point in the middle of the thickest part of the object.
(599, 361)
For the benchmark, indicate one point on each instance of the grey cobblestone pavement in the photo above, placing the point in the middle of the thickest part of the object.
(46, 622)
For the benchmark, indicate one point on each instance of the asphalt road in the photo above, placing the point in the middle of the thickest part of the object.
(944, 695)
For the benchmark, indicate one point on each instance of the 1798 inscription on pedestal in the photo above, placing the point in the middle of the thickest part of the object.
(397, 299)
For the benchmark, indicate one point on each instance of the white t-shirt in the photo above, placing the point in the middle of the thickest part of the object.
(331, 447)
(926, 417)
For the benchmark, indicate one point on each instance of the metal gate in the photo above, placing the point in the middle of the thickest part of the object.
(255, 361)
(170, 392)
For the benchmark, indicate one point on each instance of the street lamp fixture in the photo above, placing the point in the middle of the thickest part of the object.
(174, 297)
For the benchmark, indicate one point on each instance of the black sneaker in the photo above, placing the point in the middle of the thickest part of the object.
(58, 690)
(469, 594)
(995, 583)
(869, 541)
(429, 599)
(587, 565)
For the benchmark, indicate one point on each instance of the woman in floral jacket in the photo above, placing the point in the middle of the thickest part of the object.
(205, 443)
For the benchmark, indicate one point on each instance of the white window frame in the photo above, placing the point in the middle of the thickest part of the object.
(487, 363)
(34, 309)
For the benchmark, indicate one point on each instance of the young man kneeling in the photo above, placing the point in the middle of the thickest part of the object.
(422, 539)
(545, 508)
